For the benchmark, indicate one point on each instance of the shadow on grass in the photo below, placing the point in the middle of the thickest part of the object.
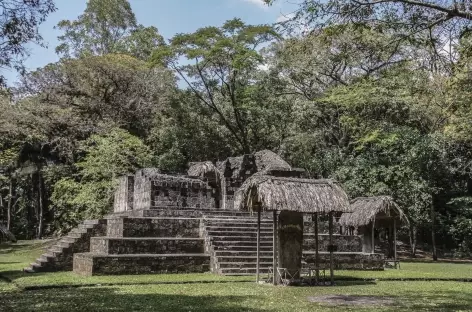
(117, 300)
(23, 246)
(439, 301)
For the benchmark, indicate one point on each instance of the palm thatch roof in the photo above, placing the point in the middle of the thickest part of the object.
(293, 194)
(266, 160)
(367, 209)
(203, 169)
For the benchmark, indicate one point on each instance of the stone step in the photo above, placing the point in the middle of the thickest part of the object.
(85, 227)
(237, 243)
(55, 251)
(243, 253)
(232, 218)
(147, 245)
(67, 239)
(243, 248)
(245, 265)
(232, 221)
(242, 238)
(91, 222)
(63, 245)
(239, 233)
(244, 271)
(74, 235)
(47, 257)
(243, 259)
(98, 264)
(82, 229)
(237, 227)
(35, 265)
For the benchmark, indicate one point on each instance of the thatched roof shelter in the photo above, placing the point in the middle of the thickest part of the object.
(205, 169)
(292, 194)
(367, 209)
(266, 160)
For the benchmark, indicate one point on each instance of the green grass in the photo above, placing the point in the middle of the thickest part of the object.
(225, 294)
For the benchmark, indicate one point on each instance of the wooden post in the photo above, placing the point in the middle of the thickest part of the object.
(395, 241)
(258, 243)
(372, 250)
(274, 249)
(317, 256)
(331, 256)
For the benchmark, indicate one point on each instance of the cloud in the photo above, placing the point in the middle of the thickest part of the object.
(285, 17)
(259, 3)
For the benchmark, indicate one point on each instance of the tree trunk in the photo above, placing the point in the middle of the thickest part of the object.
(40, 206)
(412, 234)
(433, 234)
(9, 205)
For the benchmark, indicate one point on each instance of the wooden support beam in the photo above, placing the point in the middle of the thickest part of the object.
(317, 256)
(372, 248)
(258, 244)
(331, 256)
(274, 249)
(395, 241)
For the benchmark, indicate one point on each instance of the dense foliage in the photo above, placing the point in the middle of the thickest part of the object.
(368, 96)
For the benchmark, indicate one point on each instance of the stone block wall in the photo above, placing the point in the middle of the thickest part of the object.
(115, 246)
(181, 193)
(142, 191)
(349, 261)
(152, 189)
(345, 243)
(123, 200)
(88, 264)
(235, 171)
(153, 227)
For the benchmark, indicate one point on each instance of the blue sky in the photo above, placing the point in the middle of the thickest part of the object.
(169, 16)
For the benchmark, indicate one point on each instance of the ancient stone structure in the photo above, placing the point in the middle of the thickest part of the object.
(187, 223)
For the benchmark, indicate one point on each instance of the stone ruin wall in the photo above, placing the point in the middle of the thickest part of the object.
(148, 189)
(123, 200)
(189, 193)
(235, 170)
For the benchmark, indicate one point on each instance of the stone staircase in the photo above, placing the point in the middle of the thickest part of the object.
(182, 240)
(59, 256)
(232, 243)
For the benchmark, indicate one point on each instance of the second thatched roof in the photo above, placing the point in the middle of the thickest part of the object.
(367, 209)
(203, 169)
(292, 194)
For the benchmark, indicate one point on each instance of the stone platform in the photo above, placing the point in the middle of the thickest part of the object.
(89, 264)
(347, 260)
(165, 240)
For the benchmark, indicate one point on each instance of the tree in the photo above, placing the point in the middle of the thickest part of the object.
(335, 55)
(220, 72)
(410, 15)
(89, 193)
(111, 88)
(436, 24)
(107, 26)
(19, 24)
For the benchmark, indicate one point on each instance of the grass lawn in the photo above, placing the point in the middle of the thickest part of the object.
(208, 292)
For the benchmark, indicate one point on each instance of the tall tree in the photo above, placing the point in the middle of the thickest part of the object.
(107, 26)
(438, 24)
(111, 88)
(220, 71)
(19, 22)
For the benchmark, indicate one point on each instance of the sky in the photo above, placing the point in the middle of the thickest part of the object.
(169, 16)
